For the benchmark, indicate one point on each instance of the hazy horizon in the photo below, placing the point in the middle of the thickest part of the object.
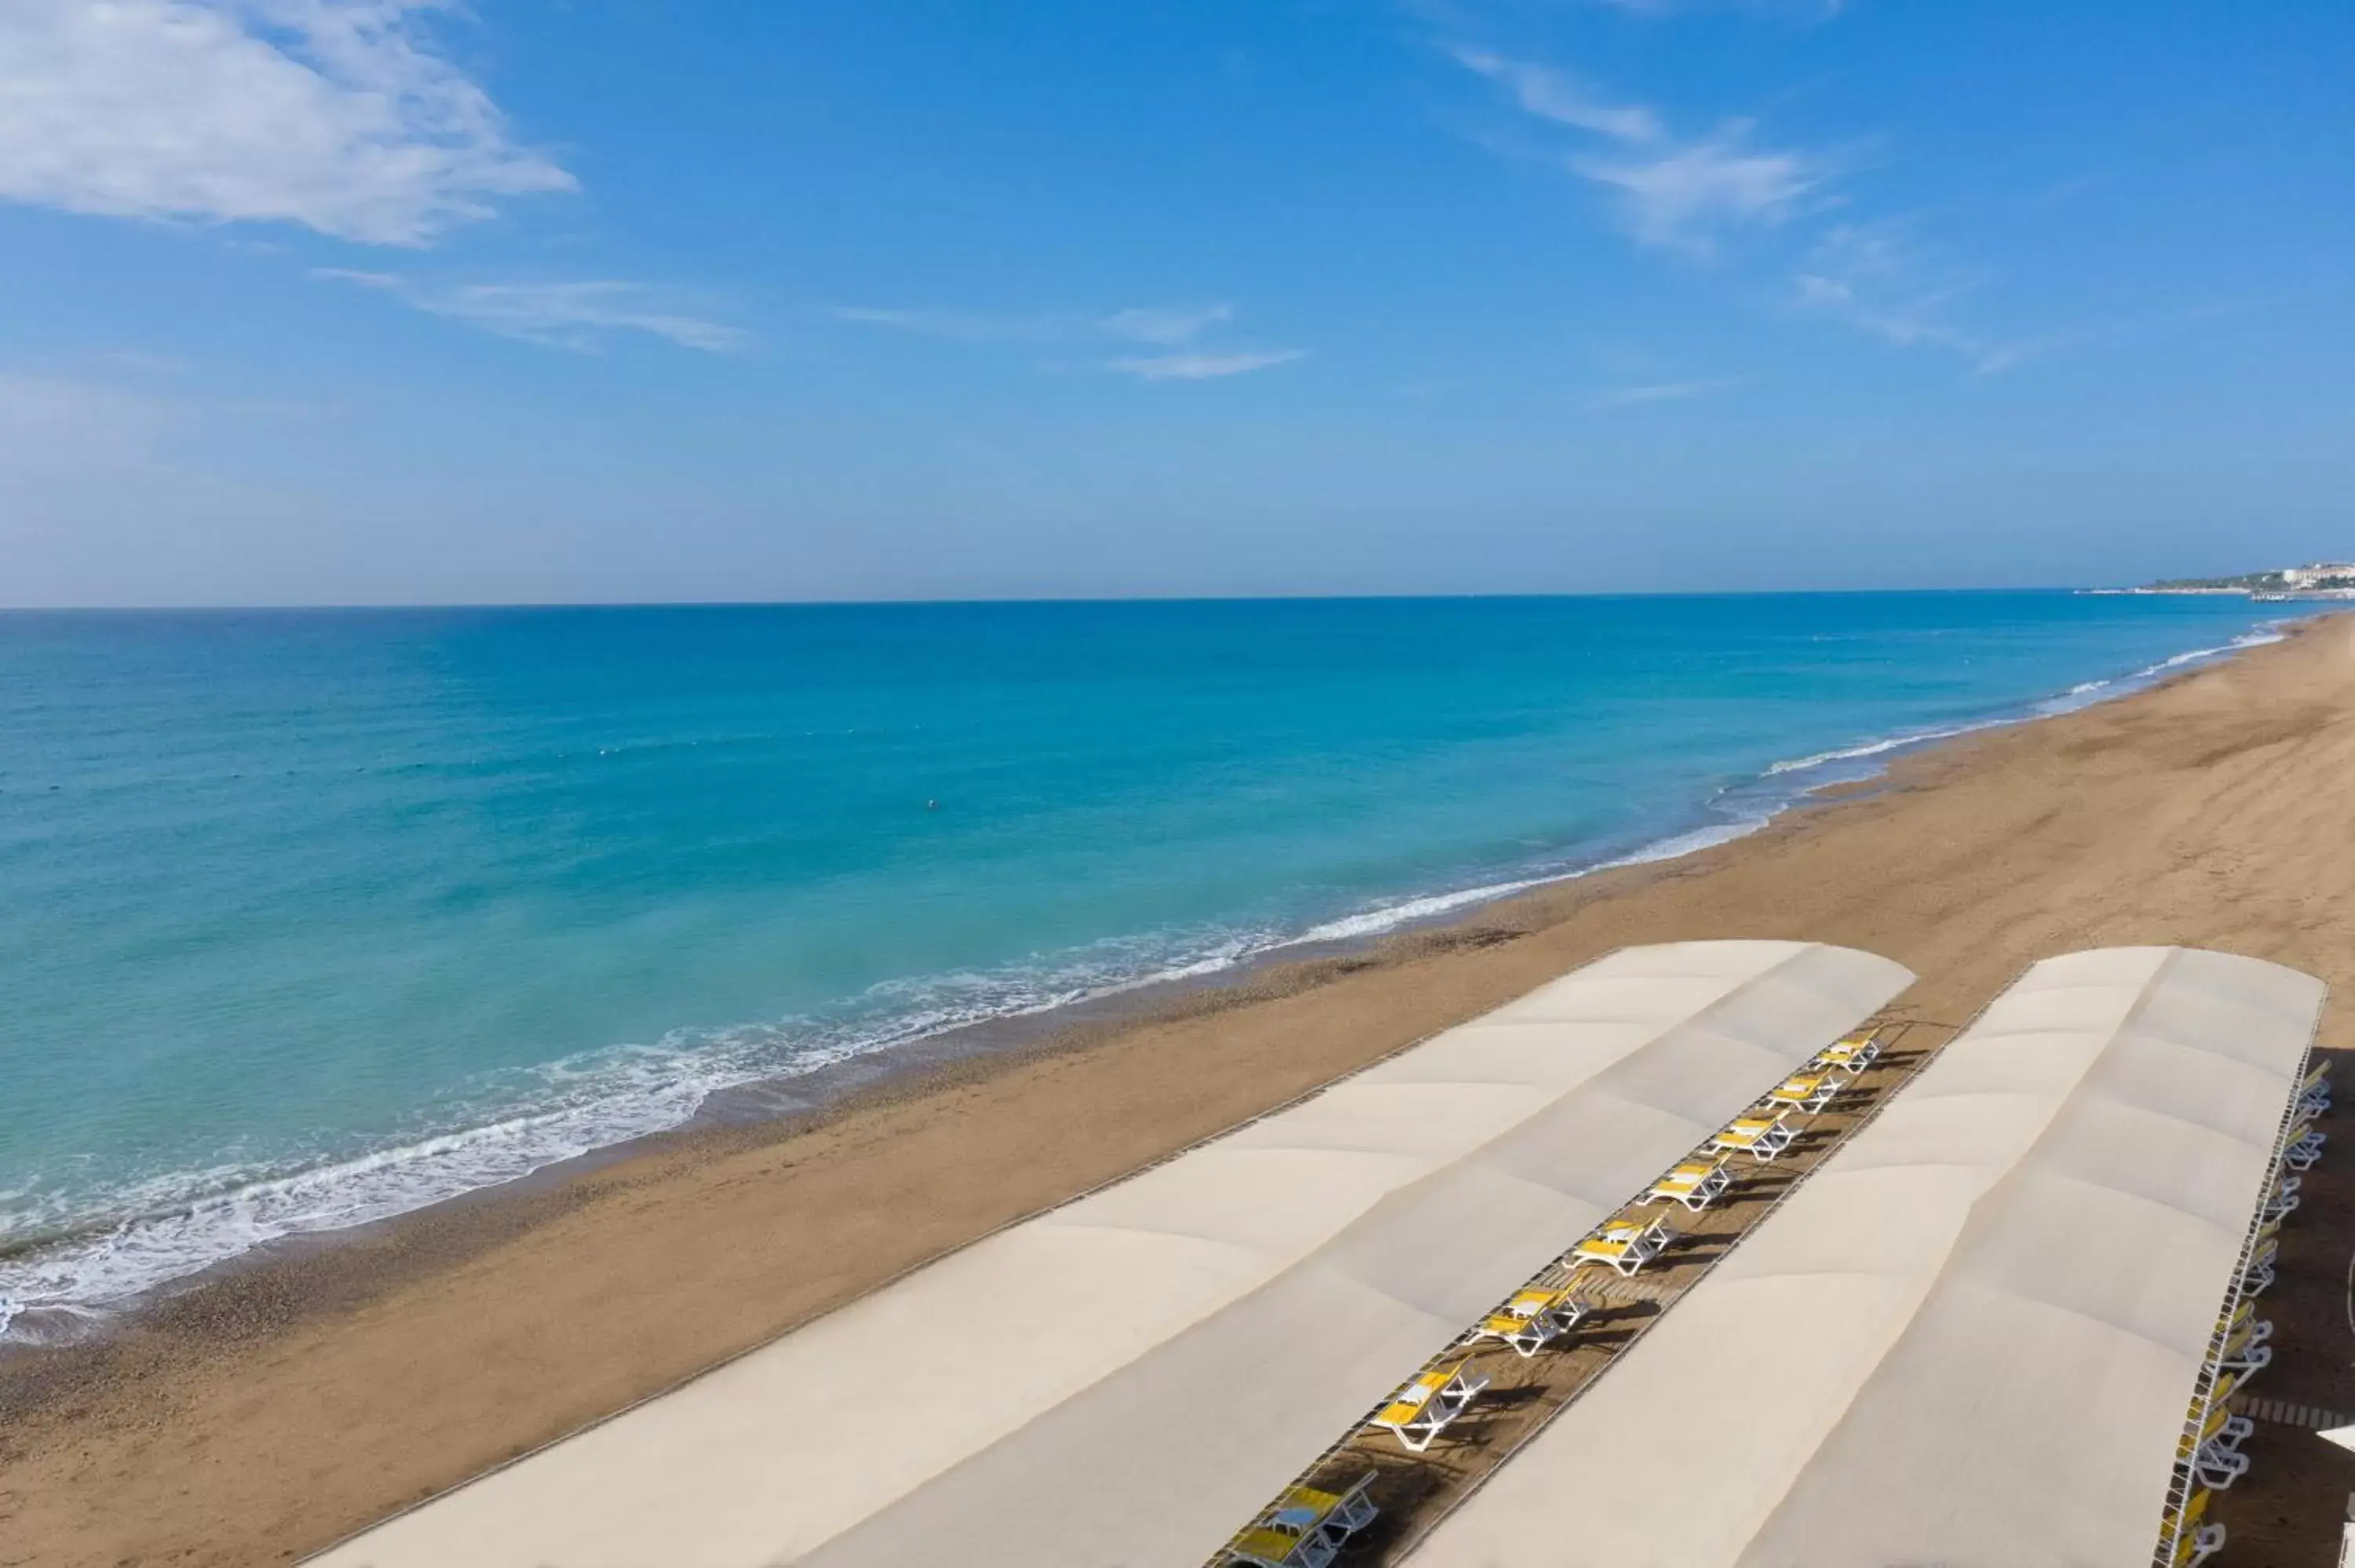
(364, 607)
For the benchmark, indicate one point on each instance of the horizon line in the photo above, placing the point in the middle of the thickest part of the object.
(358, 607)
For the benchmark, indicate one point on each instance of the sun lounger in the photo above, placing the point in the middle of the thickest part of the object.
(2222, 1430)
(1262, 1547)
(1533, 1318)
(1761, 1137)
(2218, 1470)
(2314, 1094)
(2228, 1383)
(1852, 1054)
(2258, 1276)
(2195, 1540)
(1697, 1183)
(1625, 1244)
(2214, 1451)
(1424, 1408)
(1304, 1527)
(2245, 1317)
(2244, 1351)
(1808, 1092)
(2304, 1152)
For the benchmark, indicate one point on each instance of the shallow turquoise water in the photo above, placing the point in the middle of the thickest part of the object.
(306, 918)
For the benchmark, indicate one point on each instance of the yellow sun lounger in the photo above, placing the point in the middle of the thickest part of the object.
(2282, 1200)
(2258, 1276)
(1851, 1054)
(1262, 1547)
(1695, 1184)
(2246, 1350)
(2303, 1149)
(1625, 1244)
(1809, 1092)
(2243, 1316)
(2228, 1383)
(1304, 1527)
(1533, 1318)
(2214, 1451)
(1424, 1408)
(2268, 1232)
(1762, 1138)
(2314, 1094)
(2222, 1428)
(2196, 1542)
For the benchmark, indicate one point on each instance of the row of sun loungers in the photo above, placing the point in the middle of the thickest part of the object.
(1539, 1315)
(2210, 1456)
(1307, 1528)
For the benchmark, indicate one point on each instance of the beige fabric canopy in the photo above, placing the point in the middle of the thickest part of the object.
(1971, 1337)
(1127, 1379)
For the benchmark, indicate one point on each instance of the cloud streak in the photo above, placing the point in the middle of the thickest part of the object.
(1684, 197)
(581, 316)
(1204, 366)
(1666, 392)
(1870, 279)
(1675, 193)
(1167, 324)
(336, 115)
(1177, 329)
(1685, 194)
(958, 326)
(1551, 94)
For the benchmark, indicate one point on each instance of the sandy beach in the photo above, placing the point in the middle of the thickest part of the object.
(277, 1409)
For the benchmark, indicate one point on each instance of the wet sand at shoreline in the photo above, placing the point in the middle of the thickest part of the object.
(271, 1412)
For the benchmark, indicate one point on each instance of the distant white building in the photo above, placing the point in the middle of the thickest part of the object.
(2318, 574)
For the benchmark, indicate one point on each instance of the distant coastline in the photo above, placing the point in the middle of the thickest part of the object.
(2317, 581)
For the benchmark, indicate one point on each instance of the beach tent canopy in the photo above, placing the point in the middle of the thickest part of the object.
(1972, 1337)
(1129, 1378)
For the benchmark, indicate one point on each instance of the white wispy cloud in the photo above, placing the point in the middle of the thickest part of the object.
(1804, 13)
(1665, 392)
(1167, 324)
(1685, 193)
(959, 326)
(335, 114)
(1204, 366)
(1683, 197)
(1551, 94)
(1874, 279)
(1176, 328)
(580, 315)
(1679, 193)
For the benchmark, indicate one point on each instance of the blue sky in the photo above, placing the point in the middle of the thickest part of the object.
(374, 300)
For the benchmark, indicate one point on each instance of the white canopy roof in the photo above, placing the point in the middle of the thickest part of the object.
(1128, 1378)
(1972, 1336)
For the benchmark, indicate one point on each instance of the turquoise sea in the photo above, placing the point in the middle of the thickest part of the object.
(309, 918)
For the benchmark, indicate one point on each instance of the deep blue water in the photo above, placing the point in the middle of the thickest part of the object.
(306, 918)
